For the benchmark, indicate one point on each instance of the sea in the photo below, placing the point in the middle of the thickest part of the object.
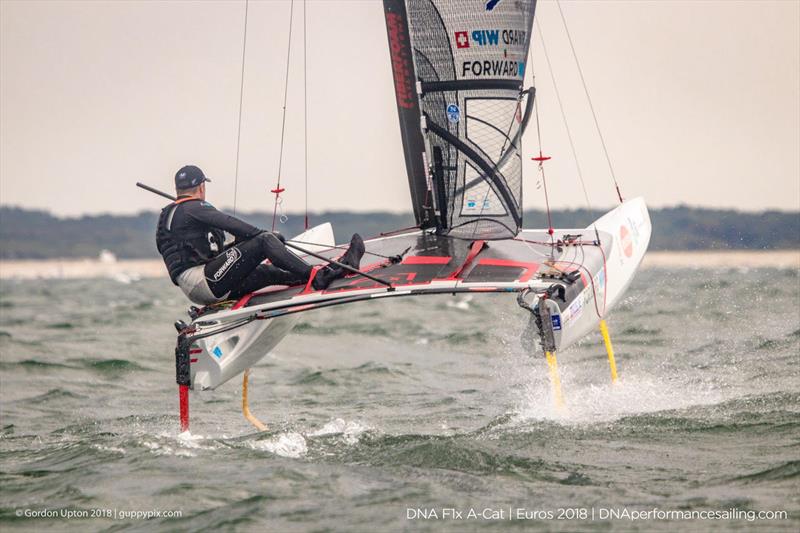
(414, 414)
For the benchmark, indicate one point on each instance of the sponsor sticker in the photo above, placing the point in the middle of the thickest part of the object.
(491, 4)
(575, 309)
(217, 351)
(496, 68)
(486, 37)
(556, 322)
(601, 279)
(490, 37)
(462, 39)
(453, 113)
(402, 66)
(625, 241)
(473, 204)
(514, 37)
(231, 256)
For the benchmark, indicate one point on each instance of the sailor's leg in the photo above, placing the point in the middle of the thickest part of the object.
(238, 271)
(351, 258)
(226, 272)
(274, 250)
(263, 276)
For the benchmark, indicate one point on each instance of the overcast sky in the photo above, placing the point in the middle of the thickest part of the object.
(699, 103)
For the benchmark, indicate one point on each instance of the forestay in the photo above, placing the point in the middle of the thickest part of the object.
(458, 69)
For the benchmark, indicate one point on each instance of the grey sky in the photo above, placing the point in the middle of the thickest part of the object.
(699, 103)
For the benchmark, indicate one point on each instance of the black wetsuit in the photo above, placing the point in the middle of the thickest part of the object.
(191, 233)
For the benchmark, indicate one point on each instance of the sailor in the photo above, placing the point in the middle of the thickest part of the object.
(191, 239)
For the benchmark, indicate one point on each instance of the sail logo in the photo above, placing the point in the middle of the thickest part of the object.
(401, 61)
(491, 4)
(472, 204)
(500, 67)
(486, 37)
(453, 113)
(464, 39)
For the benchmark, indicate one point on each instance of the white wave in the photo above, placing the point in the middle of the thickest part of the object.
(290, 444)
(631, 395)
(462, 303)
(350, 431)
(114, 449)
(164, 449)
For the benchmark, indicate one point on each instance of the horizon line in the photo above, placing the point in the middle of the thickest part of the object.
(401, 213)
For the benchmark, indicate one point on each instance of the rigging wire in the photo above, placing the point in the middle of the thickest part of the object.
(277, 190)
(563, 115)
(342, 247)
(305, 108)
(541, 159)
(241, 99)
(564, 119)
(589, 99)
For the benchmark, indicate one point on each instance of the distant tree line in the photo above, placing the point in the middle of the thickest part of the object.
(31, 234)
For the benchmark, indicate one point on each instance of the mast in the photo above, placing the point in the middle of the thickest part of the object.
(405, 84)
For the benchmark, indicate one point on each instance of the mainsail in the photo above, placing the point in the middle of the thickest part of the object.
(458, 69)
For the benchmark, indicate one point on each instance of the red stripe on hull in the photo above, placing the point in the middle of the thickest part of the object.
(426, 260)
(243, 301)
(475, 249)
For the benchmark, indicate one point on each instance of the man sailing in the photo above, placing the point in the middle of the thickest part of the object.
(190, 237)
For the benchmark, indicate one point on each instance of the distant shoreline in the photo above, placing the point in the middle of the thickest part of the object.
(28, 234)
(127, 270)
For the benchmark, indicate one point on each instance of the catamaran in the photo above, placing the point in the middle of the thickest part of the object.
(458, 68)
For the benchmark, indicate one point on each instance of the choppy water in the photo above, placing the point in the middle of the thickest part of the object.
(379, 409)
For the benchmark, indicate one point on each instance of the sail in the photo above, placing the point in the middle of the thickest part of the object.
(458, 69)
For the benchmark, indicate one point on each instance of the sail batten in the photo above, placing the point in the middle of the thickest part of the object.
(468, 62)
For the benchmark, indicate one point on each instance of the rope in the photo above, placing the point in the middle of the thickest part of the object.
(541, 160)
(241, 99)
(305, 108)
(277, 190)
(566, 124)
(328, 247)
(589, 99)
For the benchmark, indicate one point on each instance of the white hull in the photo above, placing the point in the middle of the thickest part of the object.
(605, 269)
(630, 229)
(218, 358)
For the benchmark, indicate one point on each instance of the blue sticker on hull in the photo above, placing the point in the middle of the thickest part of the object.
(556, 322)
(217, 352)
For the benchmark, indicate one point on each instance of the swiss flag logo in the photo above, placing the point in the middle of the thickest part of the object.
(462, 39)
